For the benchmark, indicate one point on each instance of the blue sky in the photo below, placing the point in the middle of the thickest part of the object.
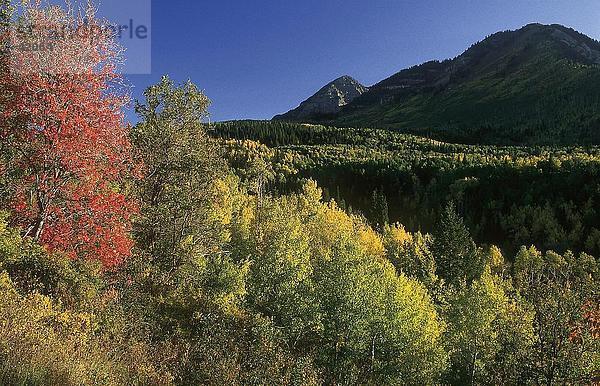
(257, 58)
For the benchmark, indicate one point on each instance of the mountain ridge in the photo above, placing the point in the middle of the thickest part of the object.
(537, 84)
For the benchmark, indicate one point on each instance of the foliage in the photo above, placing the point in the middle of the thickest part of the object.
(508, 196)
(410, 253)
(187, 287)
(180, 164)
(379, 209)
(490, 335)
(456, 255)
(54, 323)
(322, 278)
(64, 144)
(253, 273)
(560, 288)
(495, 332)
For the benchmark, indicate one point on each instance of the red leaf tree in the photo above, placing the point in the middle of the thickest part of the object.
(65, 145)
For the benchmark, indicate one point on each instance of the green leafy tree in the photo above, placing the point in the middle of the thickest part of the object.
(496, 262)
(321, 276)
(180, 164)
(280, 283)
(489, 334)
(378, 328)
(186, 288)
(559, 287)
(177, 233)
(410, 253)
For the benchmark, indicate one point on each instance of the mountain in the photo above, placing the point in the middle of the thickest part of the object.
(328, 101)
(539, 84)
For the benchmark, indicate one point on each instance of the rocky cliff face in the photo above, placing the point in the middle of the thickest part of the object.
(327, 101)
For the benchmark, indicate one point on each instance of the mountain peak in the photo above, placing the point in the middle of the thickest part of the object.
(564, 42)
(343, 79)
(328, 100)
(497, 55)
(516, 86)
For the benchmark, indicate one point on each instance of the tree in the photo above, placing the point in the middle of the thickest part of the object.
(379, 209)
(321, 276)
(489, 334)
(279, 283)
(378, 327)
(410, 253)
(5, 19)
(64, 142)
(188, 285)
(6, 11)
(180, 164)
(456, 255)
(495, 261)
(185, 197)
(560, 289)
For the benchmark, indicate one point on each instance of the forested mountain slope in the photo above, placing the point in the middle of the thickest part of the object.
(536, 85)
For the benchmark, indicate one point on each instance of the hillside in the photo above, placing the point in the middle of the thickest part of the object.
(176, 251)
(536, 203)
(536, 85)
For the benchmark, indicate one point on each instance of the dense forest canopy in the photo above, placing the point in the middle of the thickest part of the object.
(174, 252)
(509, 196)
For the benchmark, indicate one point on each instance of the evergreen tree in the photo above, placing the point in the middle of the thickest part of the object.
(379, 209)
(456, 255)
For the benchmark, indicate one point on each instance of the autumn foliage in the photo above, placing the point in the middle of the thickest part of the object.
(63, 134)
(244, 271)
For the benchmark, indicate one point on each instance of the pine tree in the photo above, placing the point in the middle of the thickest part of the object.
(379, 209)
(456, 255)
